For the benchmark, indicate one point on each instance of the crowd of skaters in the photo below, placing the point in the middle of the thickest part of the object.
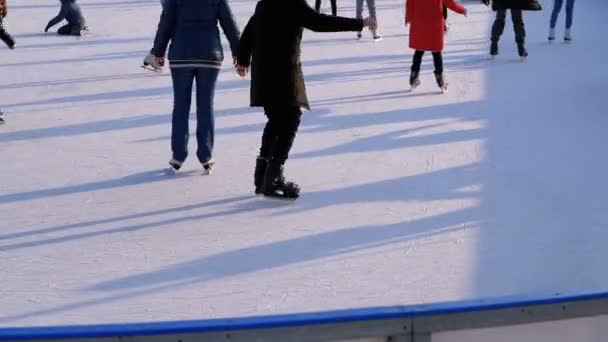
(269, 50)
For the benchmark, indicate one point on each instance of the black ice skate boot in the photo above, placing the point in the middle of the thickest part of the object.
(493, 49)
(521, 50)
(275, 185)
(441, 82)
(414, 79)
(7, 39)
(258, 175)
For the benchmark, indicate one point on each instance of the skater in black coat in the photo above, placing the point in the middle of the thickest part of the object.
(271, 44)
(70, 11)
(516, 7)
(4, 35)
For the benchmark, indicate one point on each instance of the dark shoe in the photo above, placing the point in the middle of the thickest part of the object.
(441, 82)
(414, 79)
(275, 185)
(521, 50)
(258, 175)
(493, 49)
(176, 164)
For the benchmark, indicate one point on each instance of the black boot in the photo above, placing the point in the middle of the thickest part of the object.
(414, 79)
(521, 50)
(441, 82)
(275, 185)
(494, 48)
(258, 175)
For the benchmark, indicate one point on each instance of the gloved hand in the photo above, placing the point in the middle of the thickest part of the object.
(153, 61)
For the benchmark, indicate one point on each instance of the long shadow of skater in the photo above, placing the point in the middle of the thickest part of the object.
(171, 222)
(134, 179)
(289, 252)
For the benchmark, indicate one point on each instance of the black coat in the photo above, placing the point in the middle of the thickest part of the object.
(526, 5)
(271, 43)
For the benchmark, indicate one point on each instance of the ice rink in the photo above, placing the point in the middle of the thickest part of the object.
(497, 188)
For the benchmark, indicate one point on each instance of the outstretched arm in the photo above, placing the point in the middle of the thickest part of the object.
(229, 26)
(166, 28)
(314, 21)
(454, 6)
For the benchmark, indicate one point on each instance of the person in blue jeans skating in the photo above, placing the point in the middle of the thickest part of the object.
(557, 7)
(195, 55)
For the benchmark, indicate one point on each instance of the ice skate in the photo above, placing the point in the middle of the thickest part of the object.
(359, 35)
(151, 64)
(551, 35)
(568, 36)
(175, 164)
(493, 49)
(275, 185)
(258, 175)
(208, 167)
(441, 82)
(414, 79)
(523, 53)
(376, 36)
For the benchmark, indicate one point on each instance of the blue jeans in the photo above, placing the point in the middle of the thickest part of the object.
(183, 79)
(557, 7)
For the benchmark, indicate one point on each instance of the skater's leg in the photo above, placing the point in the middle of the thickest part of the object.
(438, 62)
(6, 37)
(334, 8)
(288, 127)
(359, 9)
(182, 96)
(206, 79)
(371, 7)
(557, 7)
(318, 5)
(65, 30)
(499, 25)
(520, 31)
(569, 13)
(417, 61)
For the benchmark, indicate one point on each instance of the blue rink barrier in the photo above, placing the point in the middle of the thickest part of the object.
(396, 323)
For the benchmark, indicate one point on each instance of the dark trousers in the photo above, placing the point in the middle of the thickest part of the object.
(183, 78)
(334, 7)
(69, 30)
(518, 26)
(280, 132)
(437, 61)
(5, 36)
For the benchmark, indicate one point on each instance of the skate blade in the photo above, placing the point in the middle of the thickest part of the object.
(151, 68)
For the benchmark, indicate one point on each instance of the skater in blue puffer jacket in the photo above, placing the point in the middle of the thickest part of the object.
(70, 11)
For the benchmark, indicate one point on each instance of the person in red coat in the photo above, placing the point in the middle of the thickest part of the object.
(426, 21)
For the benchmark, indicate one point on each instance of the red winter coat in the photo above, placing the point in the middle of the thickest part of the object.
(426, 22)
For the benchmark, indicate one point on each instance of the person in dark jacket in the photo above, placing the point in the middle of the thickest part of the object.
(516, 7)
(4, 35)
(271, 45)
(334, 7)
(195, 54)
(70, 11)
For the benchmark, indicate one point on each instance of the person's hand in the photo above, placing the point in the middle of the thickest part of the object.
(370, 22)
(153, 61)
(242, 70)
(406, 21)
(46, 29)
(235, 61)
(486, 2)
(466, 12)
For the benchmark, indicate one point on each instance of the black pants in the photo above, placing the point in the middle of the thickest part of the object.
(5, 36)
(437, 61)
(518, 26)
(280, 132)
(334, 7)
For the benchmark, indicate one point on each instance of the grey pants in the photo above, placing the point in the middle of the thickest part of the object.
(371, 7)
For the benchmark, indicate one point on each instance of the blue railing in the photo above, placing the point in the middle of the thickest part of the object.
(281, 321)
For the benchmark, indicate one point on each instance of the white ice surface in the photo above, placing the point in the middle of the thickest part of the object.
(497, 188)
